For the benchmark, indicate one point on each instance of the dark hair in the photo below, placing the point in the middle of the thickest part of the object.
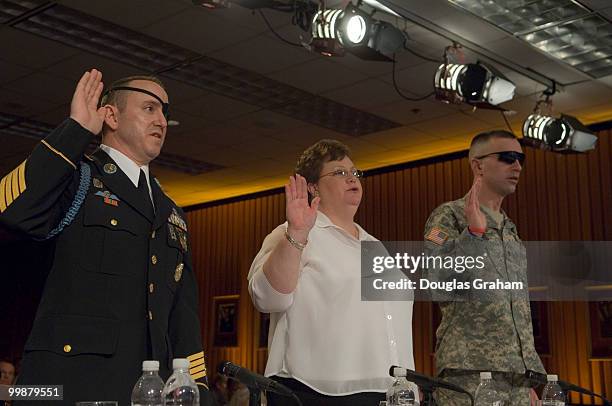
(487, 135)
(118, 98)
(312, 159)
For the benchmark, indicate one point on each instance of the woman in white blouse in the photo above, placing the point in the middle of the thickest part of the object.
(324, 343)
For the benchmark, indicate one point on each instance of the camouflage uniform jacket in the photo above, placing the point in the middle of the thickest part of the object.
(491, 333)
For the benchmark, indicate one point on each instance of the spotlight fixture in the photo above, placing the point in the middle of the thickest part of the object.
(475, 83)
(565, 134)
(335, 31)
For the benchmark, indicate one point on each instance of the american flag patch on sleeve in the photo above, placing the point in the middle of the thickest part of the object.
(437, 236)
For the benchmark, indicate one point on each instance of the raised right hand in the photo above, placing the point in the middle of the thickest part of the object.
(84, 106)
(475, 217)
(301, 216)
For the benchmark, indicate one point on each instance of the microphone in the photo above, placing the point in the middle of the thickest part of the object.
(426, 381)
(540, 378)
(253, 380)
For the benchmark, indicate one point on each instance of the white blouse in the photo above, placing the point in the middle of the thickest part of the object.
(322, 334)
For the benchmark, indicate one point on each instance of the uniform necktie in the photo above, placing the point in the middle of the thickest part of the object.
(143, 189)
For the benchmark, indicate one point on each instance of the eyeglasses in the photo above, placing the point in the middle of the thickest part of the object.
(507, 157)
(343, 173)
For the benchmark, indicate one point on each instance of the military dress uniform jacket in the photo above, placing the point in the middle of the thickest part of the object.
(486, 330)
(121, 288)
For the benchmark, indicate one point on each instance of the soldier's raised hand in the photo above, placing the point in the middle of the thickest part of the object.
(301, 216)
(475, 217)
(84, 106)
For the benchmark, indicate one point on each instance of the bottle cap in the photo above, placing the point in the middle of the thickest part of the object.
(485, 375)
(551, 378)
(150, 365)
(180, 363)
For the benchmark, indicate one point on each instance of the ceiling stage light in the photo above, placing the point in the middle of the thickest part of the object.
(474, 83)
(565, 134)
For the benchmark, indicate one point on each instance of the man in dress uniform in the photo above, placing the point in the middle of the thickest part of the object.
(484, 330)
(121, 288)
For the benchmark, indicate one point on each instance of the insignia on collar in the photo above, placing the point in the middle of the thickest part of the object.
(110, 168)
(97, 183)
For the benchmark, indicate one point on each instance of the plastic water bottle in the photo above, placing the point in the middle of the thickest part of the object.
(553, 395)
(486, 394)
(401, 393)
(181, 389)
(148, 389)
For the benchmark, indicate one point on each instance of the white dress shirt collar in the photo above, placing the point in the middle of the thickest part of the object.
(129, 167)
(323, 221)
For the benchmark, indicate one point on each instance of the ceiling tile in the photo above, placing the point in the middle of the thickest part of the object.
(23, 105)
(40, 52)
(266, 123)
(309, 134)
(452, 125)
(516, 50)
(72, 68)
(402, 137)
(199, 30)
(265, 147)
(188, 123)
(263, 55)
(408, 112)
(560, 72)
(414, 81)
(214, 107)
(470, 27)
(56, 89)
(364, 94)
(132, 14)
(317, 75)
(10, 72)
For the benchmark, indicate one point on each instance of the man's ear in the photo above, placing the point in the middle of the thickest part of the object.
(111, 118)
(476, 165)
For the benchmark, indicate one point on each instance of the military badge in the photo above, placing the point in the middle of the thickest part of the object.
(98, 183)
(109, 198)
(110, 168)
(177, 220)
(172, 232)
(183, 240)
(178, 272)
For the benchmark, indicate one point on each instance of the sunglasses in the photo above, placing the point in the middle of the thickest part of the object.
(508, 157)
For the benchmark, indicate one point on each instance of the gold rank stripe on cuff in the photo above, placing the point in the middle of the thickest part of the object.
(11, 186)
(199, 361)
(195, 370)
(199, 375)
(195, 356)
(46, 144)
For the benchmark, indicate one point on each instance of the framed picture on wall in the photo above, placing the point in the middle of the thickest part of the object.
(226, 320)
(264, 328)
(600, 318)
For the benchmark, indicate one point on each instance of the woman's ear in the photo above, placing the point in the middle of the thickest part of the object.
(313, 190)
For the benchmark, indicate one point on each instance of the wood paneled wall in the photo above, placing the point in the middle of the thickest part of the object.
(560, 197)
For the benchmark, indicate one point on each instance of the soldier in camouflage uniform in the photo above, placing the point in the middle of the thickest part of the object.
(483, 330)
